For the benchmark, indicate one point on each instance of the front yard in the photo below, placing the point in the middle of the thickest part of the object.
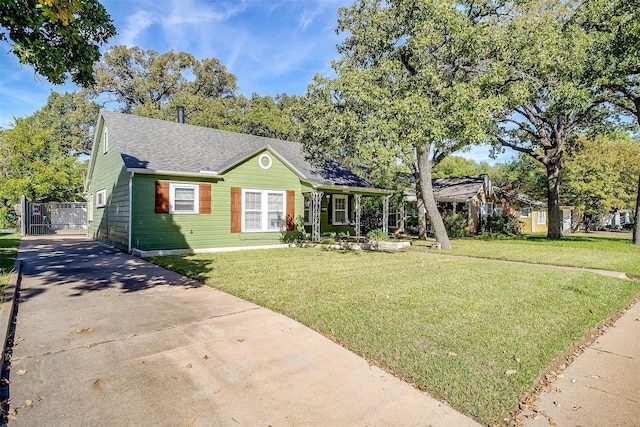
(471, 332)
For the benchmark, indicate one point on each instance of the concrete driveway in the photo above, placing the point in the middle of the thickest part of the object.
(103, 339)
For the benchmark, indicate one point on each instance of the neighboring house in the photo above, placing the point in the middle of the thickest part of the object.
(533, 214)
(471, 195)
(157, 187)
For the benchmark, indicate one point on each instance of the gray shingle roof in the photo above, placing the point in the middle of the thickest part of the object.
(460, 188)
(159, 145)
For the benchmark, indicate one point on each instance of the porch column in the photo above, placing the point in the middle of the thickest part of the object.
(357, 199)
(316, 207)
(385, 214)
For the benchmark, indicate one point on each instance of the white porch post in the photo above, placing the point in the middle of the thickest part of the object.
(385, 214)
(358, 199)
(316, 206)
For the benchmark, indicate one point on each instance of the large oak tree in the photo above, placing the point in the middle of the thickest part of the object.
(542, 71)
(134, 78)
(405, 92)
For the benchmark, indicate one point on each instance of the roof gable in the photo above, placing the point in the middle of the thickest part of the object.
(154, 146)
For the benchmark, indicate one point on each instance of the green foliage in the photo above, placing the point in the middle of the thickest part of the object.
(297, 235)
(456, 224)
(8, 252)
(407, 87)
(600, 173)
(378, 235)
(459, 166)
(503, 224)
(72, 118)
(542, 72)
(32, 163)
(522, 175)
(57, 37)
(8, 218)
(136, 78)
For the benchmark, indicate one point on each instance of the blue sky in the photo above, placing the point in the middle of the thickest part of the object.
(272, 46)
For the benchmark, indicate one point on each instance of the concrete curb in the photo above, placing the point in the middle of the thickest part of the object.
(8, 307)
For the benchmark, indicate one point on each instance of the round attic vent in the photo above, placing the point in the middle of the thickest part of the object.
(265, 161)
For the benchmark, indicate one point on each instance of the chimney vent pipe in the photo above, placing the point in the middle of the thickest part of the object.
(180, 109)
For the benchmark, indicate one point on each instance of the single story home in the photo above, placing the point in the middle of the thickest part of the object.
(532, 214)
(471, 195)
(158, 187)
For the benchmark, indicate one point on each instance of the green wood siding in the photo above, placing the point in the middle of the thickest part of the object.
(110, 223)
(153, 231)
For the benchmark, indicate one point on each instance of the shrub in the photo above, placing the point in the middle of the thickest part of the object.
(378, 235)
(506, 224)
(456, 224)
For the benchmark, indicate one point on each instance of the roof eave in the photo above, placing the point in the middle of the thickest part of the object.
(351, 189)
(142, 171)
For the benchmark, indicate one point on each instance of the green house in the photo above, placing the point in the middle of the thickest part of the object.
(157, 187)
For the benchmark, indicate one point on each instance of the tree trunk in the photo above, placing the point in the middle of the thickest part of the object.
(636, 219)
(426, 190)
(422, 220)
(554, 216)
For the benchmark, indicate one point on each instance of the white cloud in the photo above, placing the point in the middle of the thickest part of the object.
(135, 25)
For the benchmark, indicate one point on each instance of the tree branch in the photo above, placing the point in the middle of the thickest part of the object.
(519, 149)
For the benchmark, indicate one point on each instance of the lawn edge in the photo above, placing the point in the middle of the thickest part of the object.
(544, 382)
(8, 307)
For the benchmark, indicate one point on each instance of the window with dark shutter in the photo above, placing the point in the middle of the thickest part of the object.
(236, 210)
(205, 198)
(291, 210)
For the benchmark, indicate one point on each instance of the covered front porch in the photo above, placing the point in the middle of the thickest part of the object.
(339, 210)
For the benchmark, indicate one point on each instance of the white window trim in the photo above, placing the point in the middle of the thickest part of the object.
(101, 194)
(264, 208)
(90, 208)
(542, 217)
(308, 199)
(105, 140)
(172, 198)
(269, 162)
(346, 209)
(528, 215)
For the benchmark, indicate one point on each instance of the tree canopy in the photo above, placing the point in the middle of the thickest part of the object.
(137, 78)
(460, 166)
(404, 95)
(43, 156)
(615, 60)
(57, 37)
(542, 71)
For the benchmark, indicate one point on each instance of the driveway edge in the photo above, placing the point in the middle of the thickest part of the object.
(8, 307)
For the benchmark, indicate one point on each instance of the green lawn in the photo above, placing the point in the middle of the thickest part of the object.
(471, 332)
(603, 251)
(8, 251)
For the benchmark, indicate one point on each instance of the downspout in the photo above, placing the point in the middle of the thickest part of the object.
(130, 211)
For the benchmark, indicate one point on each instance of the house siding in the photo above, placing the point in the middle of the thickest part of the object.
(152, 231)
(110, 224)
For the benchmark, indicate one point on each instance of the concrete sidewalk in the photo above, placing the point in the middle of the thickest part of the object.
(106, 339)
(601, 387)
